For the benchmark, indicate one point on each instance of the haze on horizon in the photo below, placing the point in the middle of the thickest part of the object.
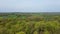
(29, 5)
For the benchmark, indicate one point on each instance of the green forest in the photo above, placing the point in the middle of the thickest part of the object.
(29, 23)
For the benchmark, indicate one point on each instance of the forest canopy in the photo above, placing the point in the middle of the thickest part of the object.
(29, 23)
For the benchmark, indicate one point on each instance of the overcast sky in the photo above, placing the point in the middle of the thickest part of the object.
(29, 5)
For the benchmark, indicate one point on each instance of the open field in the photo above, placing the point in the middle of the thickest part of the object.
(30, 23)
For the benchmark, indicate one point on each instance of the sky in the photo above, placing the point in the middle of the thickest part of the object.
(29, 5)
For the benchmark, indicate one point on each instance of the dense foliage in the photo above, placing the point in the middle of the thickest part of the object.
(29, 24)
